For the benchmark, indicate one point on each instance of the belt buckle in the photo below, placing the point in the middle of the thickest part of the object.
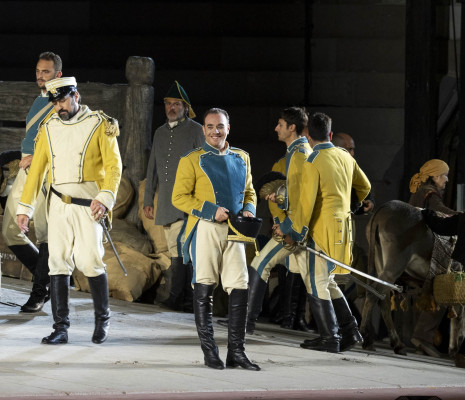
(66, 199)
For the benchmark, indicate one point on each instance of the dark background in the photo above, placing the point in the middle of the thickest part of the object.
(253, 58)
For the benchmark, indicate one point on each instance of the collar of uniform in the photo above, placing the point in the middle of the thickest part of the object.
(296, 143)
(176, 123)
(323, 146)
(212, 149)
(43, 94)
(83, 111)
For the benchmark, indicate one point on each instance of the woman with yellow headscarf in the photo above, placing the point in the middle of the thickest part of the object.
(427, 186)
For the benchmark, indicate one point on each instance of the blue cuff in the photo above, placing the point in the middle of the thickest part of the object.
(207, 212)
(250, 207)
(286, 228)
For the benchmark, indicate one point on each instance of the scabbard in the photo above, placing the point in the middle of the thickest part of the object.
(355, 271)
(107, 234)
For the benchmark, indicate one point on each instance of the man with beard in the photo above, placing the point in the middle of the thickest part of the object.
(35, 260)
(79, 149)
(171, 141)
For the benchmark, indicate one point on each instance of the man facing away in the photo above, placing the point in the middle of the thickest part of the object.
(328, 176)
(79, 149)
(211, 183)
(35, 260)
(172, 140)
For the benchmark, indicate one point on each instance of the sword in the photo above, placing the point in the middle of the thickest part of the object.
(355, 271)
(107, 234)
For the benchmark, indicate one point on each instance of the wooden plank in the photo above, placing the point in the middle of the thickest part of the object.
(10, 138)
(16, 99)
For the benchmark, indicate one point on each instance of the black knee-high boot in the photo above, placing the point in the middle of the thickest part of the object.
(203, 310)
(291, 300)
(348, 327)
(40, 293)
(99, 290)
(175, 277)
(59, 294)
(257, 290)
(326, 321)
(236, 331)
(188, 291)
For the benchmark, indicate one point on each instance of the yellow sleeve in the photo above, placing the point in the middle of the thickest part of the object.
(250, 197)
(277, 213)
(35, 175)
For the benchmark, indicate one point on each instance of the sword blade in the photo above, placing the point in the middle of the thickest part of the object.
(355, 271)
(107, 234)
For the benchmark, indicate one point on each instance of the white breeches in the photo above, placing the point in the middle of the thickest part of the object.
(213, 255)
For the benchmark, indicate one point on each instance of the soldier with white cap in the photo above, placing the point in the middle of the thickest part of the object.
(79, 149)
(171, 141)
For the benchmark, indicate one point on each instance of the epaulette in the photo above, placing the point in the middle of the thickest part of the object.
(111, 124)
(312, 156)
(238, 150)
(191, 151)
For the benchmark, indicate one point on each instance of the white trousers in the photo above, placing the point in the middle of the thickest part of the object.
(317, 276)
(75, 238)
(213, 256)
(174, 234)
(274, 253)
(13, 236)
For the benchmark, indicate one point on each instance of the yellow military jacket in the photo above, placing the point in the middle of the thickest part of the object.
(98, 160)
(277, 213)
(296, 155)
(328, 176)
(207, 180)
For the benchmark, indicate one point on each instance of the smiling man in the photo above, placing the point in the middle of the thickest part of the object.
(35, 260)
(211, 183)
(79, 149)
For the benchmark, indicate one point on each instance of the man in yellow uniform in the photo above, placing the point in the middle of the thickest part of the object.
(291, 123)
(80, 150)
(211, 183)
(328, 176)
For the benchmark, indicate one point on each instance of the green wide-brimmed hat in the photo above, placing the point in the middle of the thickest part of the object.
(176, 91)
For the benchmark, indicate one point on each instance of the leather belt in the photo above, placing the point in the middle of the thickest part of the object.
(71, 200)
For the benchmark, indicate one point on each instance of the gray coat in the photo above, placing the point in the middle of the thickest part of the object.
(169, 144)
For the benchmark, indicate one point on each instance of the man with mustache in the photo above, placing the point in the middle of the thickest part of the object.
(79, 149)
(171, 141)
(35, 260)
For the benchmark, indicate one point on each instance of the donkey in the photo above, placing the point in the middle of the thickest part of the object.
(400, 244)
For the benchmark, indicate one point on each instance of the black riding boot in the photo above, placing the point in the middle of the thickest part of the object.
(277, 318)
(188, 290)
(348, 327)
(203, 309)
(291, 300)
(300, 323)
(40, 293)
(257, 290)
(326, 321)
(236, 331)
(59, 294)
(175, 277)
(99, 290)
(28, 255)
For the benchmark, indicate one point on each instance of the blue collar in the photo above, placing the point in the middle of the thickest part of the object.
(323, 146)
(296, 142)
(212, 149)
